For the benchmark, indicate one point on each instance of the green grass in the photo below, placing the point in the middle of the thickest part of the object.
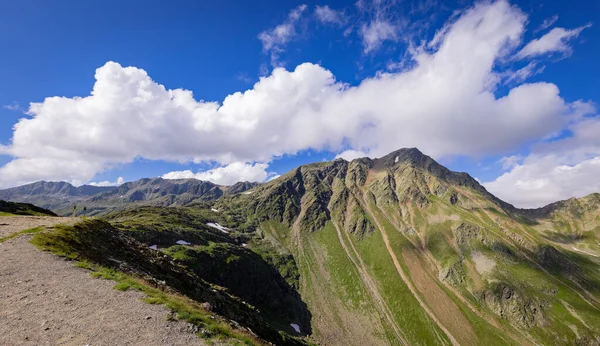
(346, 278)
(59, 242)
(27, 231)
(407, 311)
(441, 250)
(184, 308)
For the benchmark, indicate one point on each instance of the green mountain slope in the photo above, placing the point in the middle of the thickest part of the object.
(392, 251)
(402, 250)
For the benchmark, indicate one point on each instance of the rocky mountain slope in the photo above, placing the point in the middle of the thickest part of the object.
(63, 198)
(402, 250)
(396, 250)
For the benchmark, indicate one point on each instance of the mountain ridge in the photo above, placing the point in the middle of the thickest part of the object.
(55, 195)
(63, 198)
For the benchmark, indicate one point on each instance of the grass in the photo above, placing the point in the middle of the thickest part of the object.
(184, 308)
(408, 313)
(60, 241)
(27, 231)
(345, 276)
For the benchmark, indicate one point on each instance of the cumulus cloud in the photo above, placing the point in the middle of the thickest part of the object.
(541, 180)
(555, 170)
(274, 40)
(556, 41)
(227, 175)
(327, 15)
(445, 105)
(350, 155)
(119, 181)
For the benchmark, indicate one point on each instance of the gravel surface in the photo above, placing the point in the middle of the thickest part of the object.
(14, 224)
(45, 300)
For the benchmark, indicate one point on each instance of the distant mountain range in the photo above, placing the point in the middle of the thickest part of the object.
(63, 198)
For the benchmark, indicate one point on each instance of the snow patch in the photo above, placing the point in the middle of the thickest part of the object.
(219, 227)
(244, 244)
(182, 242)
(154, 247)
(247, 192)
(396, 159)
(215, 210)
(296, 327)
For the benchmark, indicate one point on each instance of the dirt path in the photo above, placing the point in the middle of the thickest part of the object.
(45, 300)
(13, 224)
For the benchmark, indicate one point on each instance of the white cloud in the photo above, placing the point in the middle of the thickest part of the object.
(274, 40)
(556, 170)
(509, 162)
(12, 107)
(522, 74)
(556, 41)
(350, 155)
(327, 15)
(444, 105)
(227, 175)
(119, 181)
(541, 180)
(548, 22)
(376, 32)
(382, 22)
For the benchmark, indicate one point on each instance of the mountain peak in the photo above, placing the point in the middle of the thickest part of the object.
(411, 156)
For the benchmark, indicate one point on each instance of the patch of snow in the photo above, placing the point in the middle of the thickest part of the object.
(182, 242)
(244, 244)
(215, 210)
(247, 192)
(219, 227)
(396, 159)
(154, 247)
(296, 327)
(587, 253)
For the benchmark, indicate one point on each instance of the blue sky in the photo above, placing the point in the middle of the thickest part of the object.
(511, 101)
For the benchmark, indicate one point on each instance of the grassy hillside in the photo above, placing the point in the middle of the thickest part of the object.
(12, 208)
(402, 250)
(177, 276)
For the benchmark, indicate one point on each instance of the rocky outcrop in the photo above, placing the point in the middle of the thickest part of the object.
(510, 304)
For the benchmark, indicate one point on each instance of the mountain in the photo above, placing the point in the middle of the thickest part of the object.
(62, 197)
(388, 251)
(402, 250)
(51, 195)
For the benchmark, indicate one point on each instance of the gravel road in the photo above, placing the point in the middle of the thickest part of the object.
(45, 300)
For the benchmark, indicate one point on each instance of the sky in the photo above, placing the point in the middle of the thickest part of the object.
(113, 91)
